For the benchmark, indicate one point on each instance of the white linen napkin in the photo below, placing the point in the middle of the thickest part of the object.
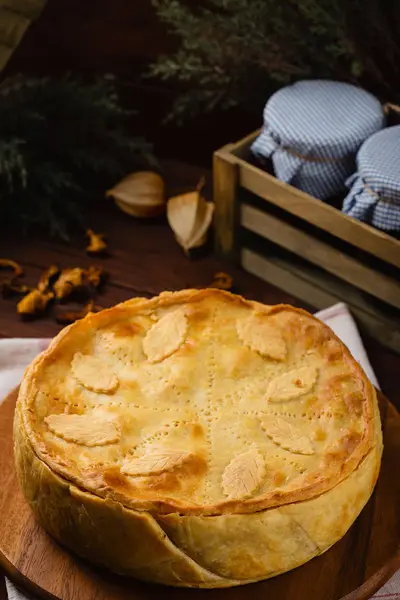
(16, 354)
(339, 319)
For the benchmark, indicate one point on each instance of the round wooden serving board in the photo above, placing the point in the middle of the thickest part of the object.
(353, 569)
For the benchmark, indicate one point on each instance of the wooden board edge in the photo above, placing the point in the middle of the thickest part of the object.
(23, 583)
(376, 581)
(10, 570)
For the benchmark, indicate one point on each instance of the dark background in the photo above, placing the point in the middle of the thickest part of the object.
(123, 37)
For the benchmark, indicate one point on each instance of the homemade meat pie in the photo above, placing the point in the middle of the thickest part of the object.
(197, 438)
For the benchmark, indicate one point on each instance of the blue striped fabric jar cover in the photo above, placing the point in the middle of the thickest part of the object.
(374, 195)
(312, 132)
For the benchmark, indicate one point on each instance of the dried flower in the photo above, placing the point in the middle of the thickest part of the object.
(190, 216)
(140, 194)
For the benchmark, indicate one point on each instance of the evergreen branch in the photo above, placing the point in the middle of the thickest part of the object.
(58, 138)
(241, 50)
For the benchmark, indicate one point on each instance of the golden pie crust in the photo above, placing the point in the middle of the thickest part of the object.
(197, 438)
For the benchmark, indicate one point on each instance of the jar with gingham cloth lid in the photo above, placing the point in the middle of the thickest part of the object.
(374, 195)
(312, 132)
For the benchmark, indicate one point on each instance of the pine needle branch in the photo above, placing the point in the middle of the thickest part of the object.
(234, 51)
(59, 138)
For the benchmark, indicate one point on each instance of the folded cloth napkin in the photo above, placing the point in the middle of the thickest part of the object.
(16, 354)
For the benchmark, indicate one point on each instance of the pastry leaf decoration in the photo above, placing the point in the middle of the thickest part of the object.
(155, 463)
(287, 435)
(292, 384)
(244, 474)
(166, 336)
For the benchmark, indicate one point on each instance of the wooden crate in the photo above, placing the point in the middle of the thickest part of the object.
(305, 246)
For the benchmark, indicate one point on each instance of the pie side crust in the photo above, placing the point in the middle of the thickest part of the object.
(183, 550)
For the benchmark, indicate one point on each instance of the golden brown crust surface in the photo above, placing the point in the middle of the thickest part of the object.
(203, 417)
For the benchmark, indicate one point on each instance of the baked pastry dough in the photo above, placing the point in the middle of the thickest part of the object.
(197, 438)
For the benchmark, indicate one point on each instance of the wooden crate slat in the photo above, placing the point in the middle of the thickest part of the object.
(315, 211)
(324, 273)
(336, 287)
(241, 148)
(280, 274)
(285, 280)
(225, 185)
(321, 254)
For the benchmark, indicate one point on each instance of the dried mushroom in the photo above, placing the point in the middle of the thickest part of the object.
(34, 304)
(11, 288)
(69, 284)
(190, 216)
(140, 194)
(6, 263)
(222, 281)
(96, 276)
(78, 282)
(97, 244)
(48, 278)
(70, 281)
(69, 316)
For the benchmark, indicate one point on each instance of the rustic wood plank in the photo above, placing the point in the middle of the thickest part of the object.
(273, 273)
(241, 148)
(318, 213)
(321, 254)
(226, 209)
(386, 365)
(145, 260)
(286, 276)
(387, 484)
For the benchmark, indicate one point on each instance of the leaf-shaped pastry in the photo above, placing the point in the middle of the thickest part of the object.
(155, 462)
(287, 435)
(292, 384)
(244, 474)
(166, 336)
(94, 374)
(261, 336)
(86, 430)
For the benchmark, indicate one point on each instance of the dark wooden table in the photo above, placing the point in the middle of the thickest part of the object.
(145, 260)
